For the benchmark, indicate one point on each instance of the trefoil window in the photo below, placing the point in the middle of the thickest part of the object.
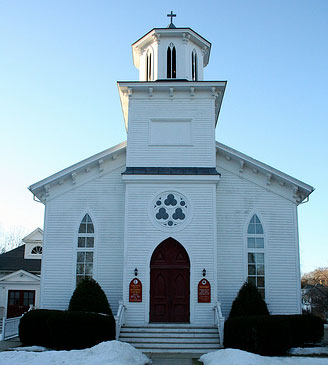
(170, 209)
(255, 254)
(85, 249)
(171, 62)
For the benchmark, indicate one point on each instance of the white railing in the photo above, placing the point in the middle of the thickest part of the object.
(9, 328)
(219, 320)
(120, 318)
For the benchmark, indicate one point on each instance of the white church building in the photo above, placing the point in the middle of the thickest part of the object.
(171, 221)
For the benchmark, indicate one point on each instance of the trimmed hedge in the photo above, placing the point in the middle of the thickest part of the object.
(33, 328)
(65, 330)
(305, 328)
(89, 297)
(248, 302)
(263, 335)
(271, 335)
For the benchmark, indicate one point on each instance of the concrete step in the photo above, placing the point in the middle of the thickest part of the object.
(170, 330)
(190, 346)
(172, 358)
(171, 338)
(199, 352)
(169, 334)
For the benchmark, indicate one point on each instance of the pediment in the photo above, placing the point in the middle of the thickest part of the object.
(34, 237)
(20, 276)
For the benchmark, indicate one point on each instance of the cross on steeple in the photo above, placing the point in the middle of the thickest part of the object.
(171, 15)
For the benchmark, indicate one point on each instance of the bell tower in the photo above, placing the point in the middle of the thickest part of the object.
(171, 112)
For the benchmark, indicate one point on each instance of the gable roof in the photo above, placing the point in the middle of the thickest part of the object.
(14, 260)
(300, 190)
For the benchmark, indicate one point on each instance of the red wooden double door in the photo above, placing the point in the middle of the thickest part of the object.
(19, 302)
(170, 283)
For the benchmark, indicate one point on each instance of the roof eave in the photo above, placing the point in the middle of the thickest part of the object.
(307, 189)
(34, 188)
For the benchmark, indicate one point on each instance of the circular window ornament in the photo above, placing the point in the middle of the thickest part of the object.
(170, 210)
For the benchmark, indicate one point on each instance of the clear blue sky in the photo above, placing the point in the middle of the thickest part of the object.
(60, 60)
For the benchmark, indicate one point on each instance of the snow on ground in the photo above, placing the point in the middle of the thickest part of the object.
(238, 357)
(109, 353)
(309, 351)
(30, 348)
(120, 353)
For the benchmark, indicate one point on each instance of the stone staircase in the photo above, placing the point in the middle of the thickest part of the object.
(172, 338)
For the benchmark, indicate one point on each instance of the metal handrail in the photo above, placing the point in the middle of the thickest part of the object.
(119, 318)
(219, 320)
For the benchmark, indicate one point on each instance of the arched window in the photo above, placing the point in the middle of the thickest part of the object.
(149, 65)
(171, 62)
(255, 248)
(36, 250)
(194, 75)
(85, 249)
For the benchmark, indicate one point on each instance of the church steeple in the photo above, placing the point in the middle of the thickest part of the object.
(169, 115)
(171, 53)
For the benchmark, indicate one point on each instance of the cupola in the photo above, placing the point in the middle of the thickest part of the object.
(171, 54)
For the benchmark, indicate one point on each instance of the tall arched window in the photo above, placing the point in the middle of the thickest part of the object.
(149, 66)
(194, 76)
(255, 248)
(85, 249)
(171, 62)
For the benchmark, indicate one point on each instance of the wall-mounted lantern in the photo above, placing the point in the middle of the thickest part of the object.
(204, 272)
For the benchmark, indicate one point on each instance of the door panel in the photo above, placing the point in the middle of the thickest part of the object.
(159, 303)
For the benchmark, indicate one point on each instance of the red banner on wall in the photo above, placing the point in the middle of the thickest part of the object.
(204, 291)
(135, 290)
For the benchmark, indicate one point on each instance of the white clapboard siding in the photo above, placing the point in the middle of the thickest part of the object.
(202, 151)
(104, 199)
(237, 200)
(198, 238)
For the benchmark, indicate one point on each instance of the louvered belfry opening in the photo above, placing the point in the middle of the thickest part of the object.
(171, 62)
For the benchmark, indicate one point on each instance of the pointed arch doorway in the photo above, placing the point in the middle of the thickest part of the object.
(170, 283)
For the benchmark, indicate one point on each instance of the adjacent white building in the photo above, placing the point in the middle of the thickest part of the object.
(20, 270)
(171, 221)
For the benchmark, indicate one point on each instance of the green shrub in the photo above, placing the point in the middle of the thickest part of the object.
(305, 328)
(33, 327)
(272, 335)
(263, 335)
(79, 330)
(65, 330)
(248, 302)
(89, 297)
